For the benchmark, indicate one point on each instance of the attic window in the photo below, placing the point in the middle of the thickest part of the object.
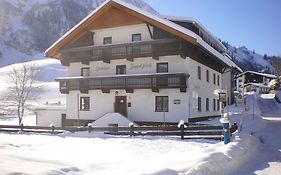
(107, 40)
(136, 37)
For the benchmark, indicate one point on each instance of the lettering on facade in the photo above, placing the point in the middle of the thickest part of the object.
(101, 68)
(140, 66)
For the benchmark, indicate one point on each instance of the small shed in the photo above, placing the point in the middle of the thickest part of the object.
(50, 115)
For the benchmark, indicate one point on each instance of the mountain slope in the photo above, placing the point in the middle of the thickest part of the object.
(249, 60)
(28, 27)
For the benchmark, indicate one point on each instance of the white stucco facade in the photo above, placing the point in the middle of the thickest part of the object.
(182, 105)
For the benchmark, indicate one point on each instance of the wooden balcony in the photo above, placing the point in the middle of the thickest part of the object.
(126, 82)
(129, 51)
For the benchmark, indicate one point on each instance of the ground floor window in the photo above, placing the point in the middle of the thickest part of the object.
(161, 103)
(214, 104)
(218, 104)
(207, 104)
(84, 103)
(199, 104)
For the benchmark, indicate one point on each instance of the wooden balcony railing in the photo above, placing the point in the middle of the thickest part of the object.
(129, 51)
(126, 82)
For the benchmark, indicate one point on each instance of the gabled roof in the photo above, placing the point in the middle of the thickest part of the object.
(164, 24)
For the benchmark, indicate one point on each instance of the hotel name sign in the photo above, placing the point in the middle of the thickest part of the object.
(132, 66)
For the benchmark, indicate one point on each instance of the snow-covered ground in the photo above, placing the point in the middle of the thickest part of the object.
(49, 69)
(255, 150)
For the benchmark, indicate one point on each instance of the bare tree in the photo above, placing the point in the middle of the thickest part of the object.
(20, 82)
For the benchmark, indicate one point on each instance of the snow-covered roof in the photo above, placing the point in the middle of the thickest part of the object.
(182, 30)
(257, 73)
(196, 23)
(256, 84)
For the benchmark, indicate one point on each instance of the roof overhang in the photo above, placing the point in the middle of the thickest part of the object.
(82, 27)
(77, 31)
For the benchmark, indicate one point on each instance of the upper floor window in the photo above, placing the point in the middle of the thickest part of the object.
(120, 69)
(162, 67)
(107, 40)
(84, 103)
(199, 72)
(218, 80)
(207, 75)
(214, 104)
(136, 37)
(85, 71)
(214, 78)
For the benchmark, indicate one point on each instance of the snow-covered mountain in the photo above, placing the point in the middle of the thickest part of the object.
(249, 60)
(28, 27)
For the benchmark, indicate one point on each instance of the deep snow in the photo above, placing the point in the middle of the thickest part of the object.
(255, 150)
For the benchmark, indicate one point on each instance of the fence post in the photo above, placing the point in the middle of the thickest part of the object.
(89, 128)
(182, 130)
(21, 127)
(53, 129)
(131, 129)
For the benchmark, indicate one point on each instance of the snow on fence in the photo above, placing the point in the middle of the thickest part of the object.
(185, 132)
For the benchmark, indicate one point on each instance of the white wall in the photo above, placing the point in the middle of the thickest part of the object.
(46, 117)
(119, 35)
(201, 88)
(226, 83)
(142, 105)
(139, 66)
(143, 101)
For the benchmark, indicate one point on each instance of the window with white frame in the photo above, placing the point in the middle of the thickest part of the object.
(84, 103)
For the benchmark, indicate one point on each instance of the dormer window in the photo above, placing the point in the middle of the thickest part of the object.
(136, 37)
(107, 40)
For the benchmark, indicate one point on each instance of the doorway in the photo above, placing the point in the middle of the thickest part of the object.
(121, 105)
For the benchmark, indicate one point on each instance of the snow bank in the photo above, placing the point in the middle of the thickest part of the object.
(112, 118)
(278, 96)
(228, 157)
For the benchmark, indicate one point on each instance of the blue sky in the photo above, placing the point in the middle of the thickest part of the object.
(255, 24)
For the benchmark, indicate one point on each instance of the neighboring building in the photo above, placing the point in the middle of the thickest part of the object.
(253, 80)
(148, 68)
(50, 115)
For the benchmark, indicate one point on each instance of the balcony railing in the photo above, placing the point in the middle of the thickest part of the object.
(126, 82)
(129, 51)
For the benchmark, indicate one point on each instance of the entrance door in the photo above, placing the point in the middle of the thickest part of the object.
(121, 105)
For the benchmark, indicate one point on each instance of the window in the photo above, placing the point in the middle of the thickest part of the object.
(218, 104)
(107, 40)
(136, 37)
(162, 67)
(84, 103)
(199, 104)
(161, 103)
(214, 78)
(199, 72)
(207, 104)
(120, 69)
(214, 104)
(207, 75)
(218, 80)
(85, 71)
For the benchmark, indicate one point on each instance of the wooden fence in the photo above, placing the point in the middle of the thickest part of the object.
(185, 132)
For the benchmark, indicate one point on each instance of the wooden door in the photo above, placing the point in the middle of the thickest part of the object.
(121, 105)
